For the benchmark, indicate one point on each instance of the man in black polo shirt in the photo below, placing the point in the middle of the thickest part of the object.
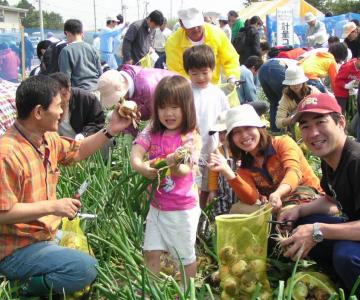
(332, 241)
(139, 38)
(82, 112)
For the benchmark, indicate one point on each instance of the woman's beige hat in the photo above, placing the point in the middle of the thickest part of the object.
(112, 86)
(294, 75)
(241, 116)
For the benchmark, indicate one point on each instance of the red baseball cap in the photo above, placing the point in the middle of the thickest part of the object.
(317, 103)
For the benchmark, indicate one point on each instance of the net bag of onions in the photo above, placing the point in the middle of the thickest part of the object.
(310, 285)
(242, 251)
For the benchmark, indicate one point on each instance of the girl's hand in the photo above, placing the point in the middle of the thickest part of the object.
(170, 159)
(148, 171)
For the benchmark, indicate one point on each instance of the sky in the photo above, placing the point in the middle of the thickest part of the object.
(84, 9)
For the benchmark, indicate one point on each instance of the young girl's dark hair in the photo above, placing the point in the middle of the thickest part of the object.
(174, 90)
(264, 142)
(305, 91)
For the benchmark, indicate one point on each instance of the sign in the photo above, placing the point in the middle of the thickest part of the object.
(284, 26)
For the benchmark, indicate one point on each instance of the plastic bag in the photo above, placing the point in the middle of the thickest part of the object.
(146, 61)
(73, 237)
(231, 93)
(242, 250)
(311, 285)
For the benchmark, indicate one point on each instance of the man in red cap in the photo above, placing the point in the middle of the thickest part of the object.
(328, 229)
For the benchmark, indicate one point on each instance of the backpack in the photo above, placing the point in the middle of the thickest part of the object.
(240, 41)
(50, 59)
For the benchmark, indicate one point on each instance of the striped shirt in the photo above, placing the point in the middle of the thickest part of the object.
(7, 104)
(29, 173)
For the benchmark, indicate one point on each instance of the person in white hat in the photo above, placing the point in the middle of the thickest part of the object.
(218, 185)
(295, 90)
(194, 31)
(351, 34)
(107, 36)
(316, 34)
(273, 169)
(224, 25)
(134, 83)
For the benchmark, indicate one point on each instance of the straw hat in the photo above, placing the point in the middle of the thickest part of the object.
(294, 75)
(347, 29)
(309, 17)
(191, 17)
(112, 86)
(240, 116)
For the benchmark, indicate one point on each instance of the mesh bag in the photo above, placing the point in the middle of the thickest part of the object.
(242, 251)
(310, 285)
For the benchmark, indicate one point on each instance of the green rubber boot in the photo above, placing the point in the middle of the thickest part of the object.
(35, 286)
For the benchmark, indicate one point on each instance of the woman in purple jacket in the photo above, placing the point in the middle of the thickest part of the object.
(133, 83)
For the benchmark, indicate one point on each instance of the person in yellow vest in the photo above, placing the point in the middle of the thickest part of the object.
(194, 31)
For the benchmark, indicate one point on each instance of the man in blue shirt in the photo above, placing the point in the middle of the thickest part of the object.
(107, 36)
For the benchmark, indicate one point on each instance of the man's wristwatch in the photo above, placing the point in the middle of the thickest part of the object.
(317, 234)
(106, 133)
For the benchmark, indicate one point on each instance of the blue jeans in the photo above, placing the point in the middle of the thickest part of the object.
(271, 75)
(64, 269)
(317, 83)
(343, 257)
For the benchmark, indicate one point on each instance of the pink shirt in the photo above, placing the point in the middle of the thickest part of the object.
(174, 192)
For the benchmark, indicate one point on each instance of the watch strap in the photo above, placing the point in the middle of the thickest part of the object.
(106, 133)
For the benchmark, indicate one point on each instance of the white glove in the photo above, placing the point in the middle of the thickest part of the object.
(353, 84)
(231, 83)
(311, 38)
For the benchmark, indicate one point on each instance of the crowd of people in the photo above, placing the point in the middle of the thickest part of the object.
(57, 117)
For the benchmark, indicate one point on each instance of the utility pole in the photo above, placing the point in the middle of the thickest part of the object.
(146, 9)
(41, 22)
(138, 9)
(95, 15)
(171, 9)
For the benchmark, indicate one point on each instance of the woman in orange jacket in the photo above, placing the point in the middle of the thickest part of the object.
(272, 169)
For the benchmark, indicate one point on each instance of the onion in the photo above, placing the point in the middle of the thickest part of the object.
(320, 294)
(230, 286)
(239, 268)
(227, 255)
(225, 296)
(300, 291)
(257, 266)
(248, 282)
(128, 108)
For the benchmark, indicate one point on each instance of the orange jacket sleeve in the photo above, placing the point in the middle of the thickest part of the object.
(333, 70)
(244, 186)
(289, 154)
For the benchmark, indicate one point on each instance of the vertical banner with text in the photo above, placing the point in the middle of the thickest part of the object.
(284, 26)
